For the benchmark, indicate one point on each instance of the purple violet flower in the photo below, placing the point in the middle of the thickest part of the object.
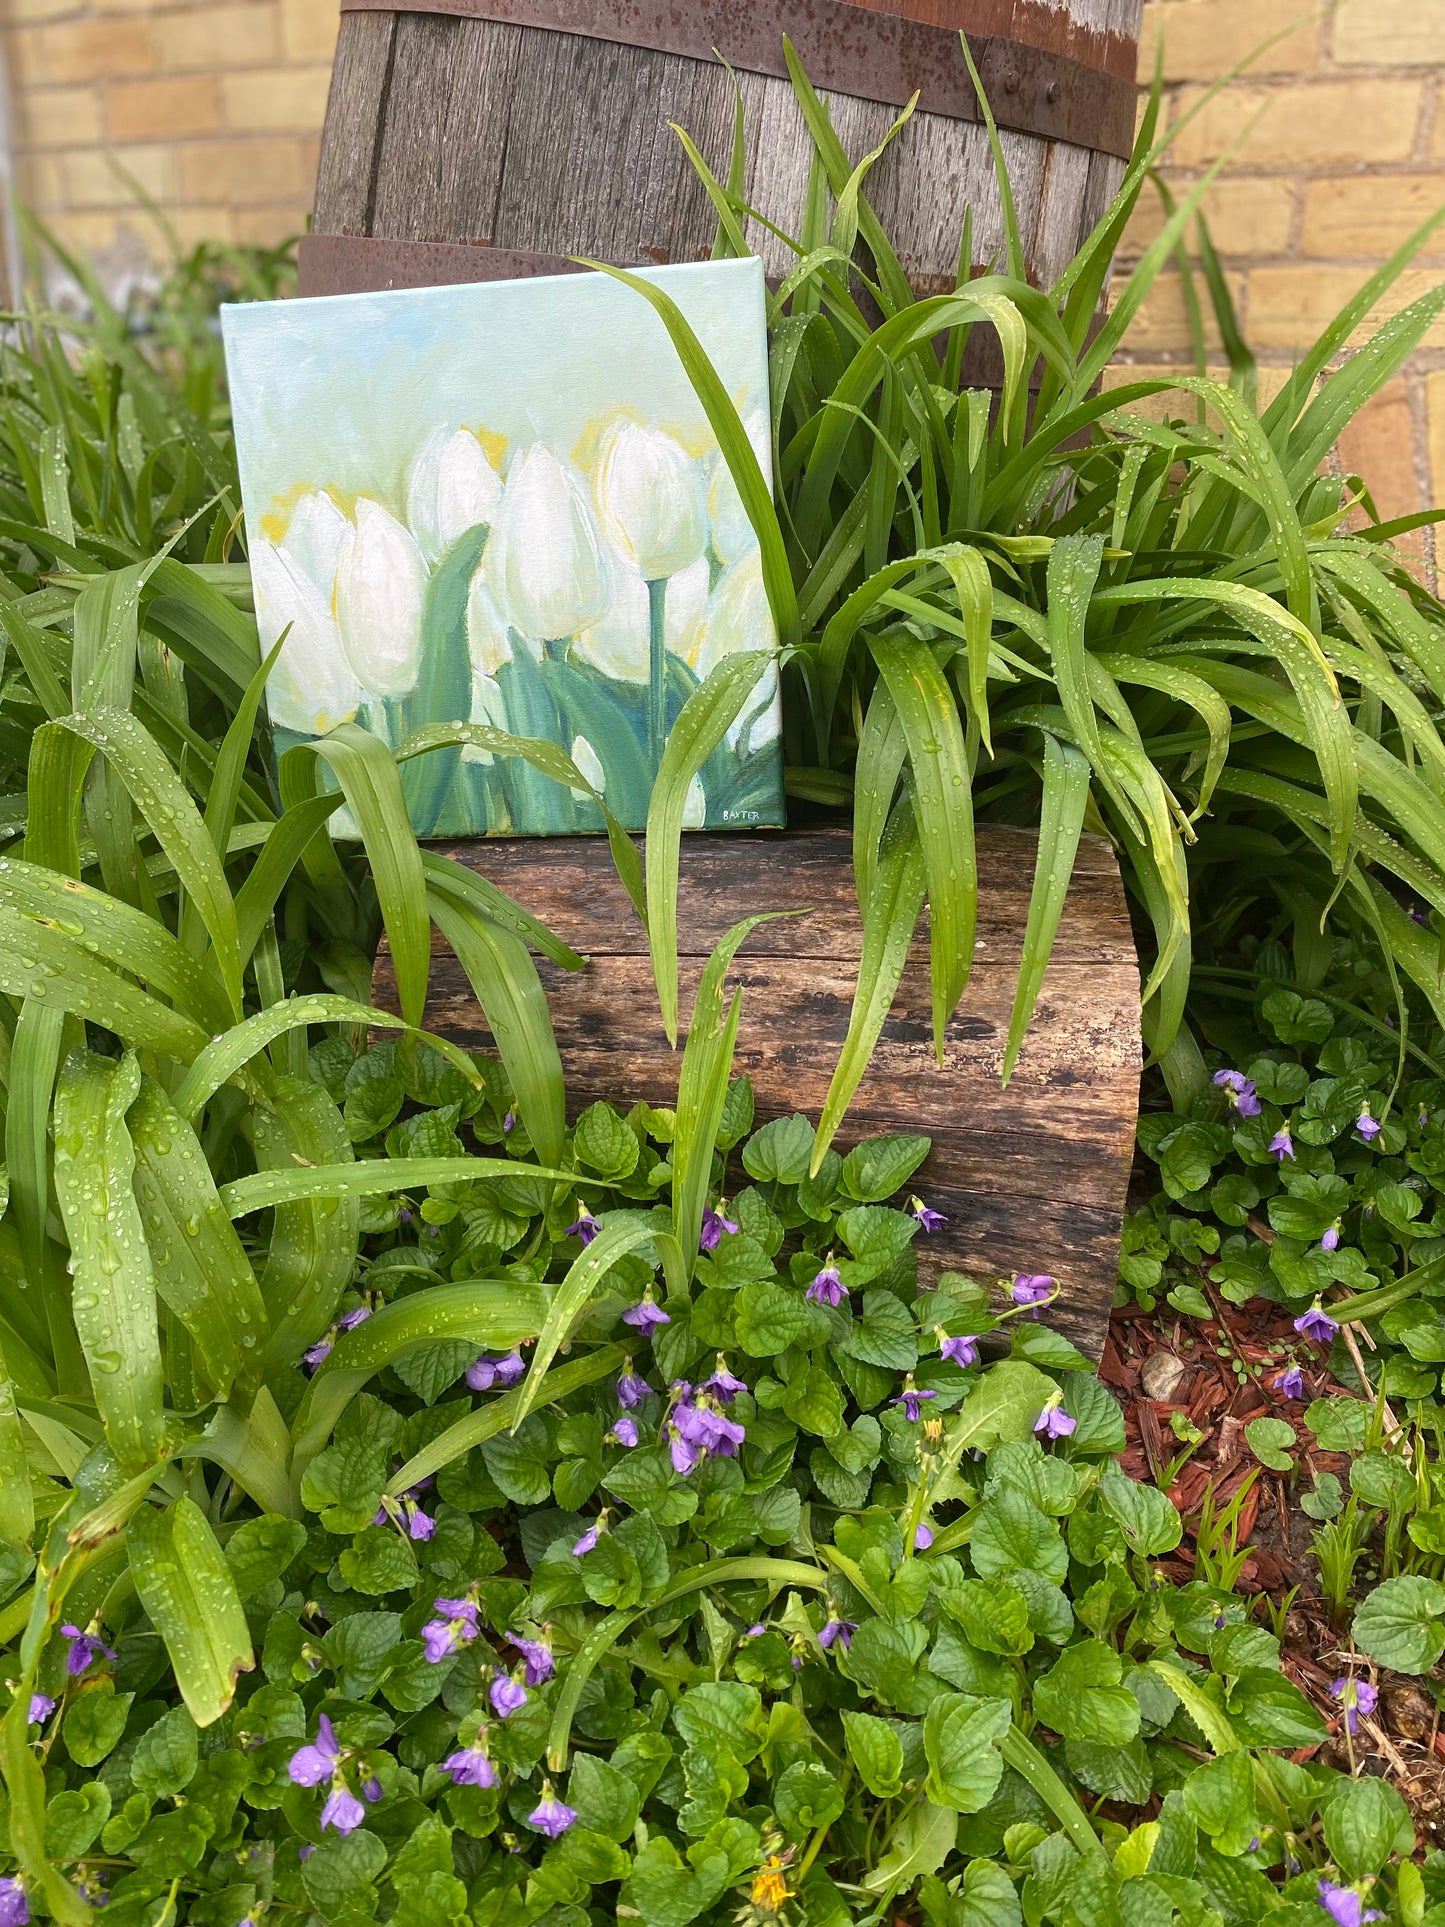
(714, 1224)
(1331, 1239)
(1054, 1422)
(1241, 1092)
(316, 1356)
(419, 1524)
(644, 1316)
(14, 1907)
(1031, 1287)
(486, 1372)
(1345, 1905)
(837, 1632)
(1291, 1383)
(342, 1810)
(41, 1707)
(1316, 1323)
(755, 1632)
(1367, 1126)
(722, 1385)
(929, 1219)
(685, 1455)
(1282, 1144)
(507, 1696)
(1358, 1698)
(922, 1538)
(457, 1627)
(586, 1228)
(589, 1538)
(624, 1432)
(469, 1766)
(826, 1288)
(310, 1765)
(632, 1390)
(708, 1428)
(83, 1649)
(962, 1350)
(551, 1815)
(509, 1122)
(910, 1398)
(354, 1318)
(538, 1655)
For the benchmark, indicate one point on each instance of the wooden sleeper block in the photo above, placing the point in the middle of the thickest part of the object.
(1031, 1178)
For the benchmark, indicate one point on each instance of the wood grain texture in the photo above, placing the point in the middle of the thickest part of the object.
(1032, 1178)
(442, 128)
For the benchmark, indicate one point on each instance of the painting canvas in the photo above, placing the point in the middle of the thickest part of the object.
(503, 503)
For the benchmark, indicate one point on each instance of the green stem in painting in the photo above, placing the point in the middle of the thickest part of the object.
(657, 642)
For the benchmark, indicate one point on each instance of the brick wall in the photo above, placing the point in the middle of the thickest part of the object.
(214, 106)
(1341, 132)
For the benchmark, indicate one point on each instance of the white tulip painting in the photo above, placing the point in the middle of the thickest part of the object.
(503, 505)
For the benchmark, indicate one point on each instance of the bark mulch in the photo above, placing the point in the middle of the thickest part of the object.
(1177, 1377)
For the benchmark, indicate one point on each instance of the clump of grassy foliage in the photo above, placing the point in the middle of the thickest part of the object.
(1051, 611)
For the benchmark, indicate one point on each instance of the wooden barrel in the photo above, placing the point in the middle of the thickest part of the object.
(484, 139)
(1031, 1178)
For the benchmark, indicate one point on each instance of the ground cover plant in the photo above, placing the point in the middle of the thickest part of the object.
(710, 1608)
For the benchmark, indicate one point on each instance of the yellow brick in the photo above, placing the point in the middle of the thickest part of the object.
(1369, 215)
(245, 173)
(58, 116)
(1162, 324)
(1379, 446)
(1290, 307)
(308, 29)
(217, 37)
(21, 12)
(97, 177)
(87, 50)
(1390, 33)
(1332, 122)
(43, 181)
(193, 225)
(146, 109)
(1244, 216)
(1205, 38)
(290, 99)
(267, 227)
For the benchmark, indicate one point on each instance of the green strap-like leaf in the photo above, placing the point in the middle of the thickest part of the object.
(371, 784)
(315, 1235)
(1066, 794)
(498, 1413)
(888, 926)
(186, 1588)
(584, 1275)
(943, 793)
(114, 1294)
(705, 718)
(882, 753)
(42, 963)
(702, 1088)
(17, 1505)
(201, 1271)
(495, 1314)
(372, 1178)
(165, 803)
(500, 969)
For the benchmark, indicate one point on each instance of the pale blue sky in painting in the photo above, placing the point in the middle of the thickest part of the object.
(341, 392)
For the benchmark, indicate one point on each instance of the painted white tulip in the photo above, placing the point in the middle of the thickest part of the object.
(487, 640)
(738, 616)
(311, 689)
(543, 560)
(732, 533)
(617, 643)
(381, 580)
(314, 537)
(590, 764)
(650, 499)
(452, 487)
(688, 594)
(694, 810)
(488, 706)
